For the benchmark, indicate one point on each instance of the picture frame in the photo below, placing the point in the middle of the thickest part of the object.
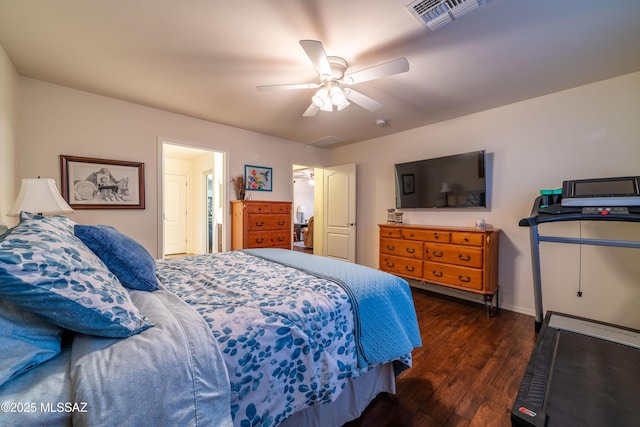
(90, 183)
(408, 183)
(258, 178)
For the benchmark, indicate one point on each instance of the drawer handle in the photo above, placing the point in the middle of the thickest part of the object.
(411, 235)
(259, 223)
(411, 250)
(437, 273)
(437, 254)
(260, 240)
(465, 279)
(409, 268)
(280, 239)
(282, 222)
(435, 236)
(466, 239)
(390, 264)
(464, 257)
(391, 247)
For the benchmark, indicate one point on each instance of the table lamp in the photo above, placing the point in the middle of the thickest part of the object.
(39, 196)
(445, 189)
(301, 211)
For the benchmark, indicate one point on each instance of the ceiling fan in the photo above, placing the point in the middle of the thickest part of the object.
(332, 93)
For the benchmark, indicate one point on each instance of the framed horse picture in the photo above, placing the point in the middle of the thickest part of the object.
(89, 183)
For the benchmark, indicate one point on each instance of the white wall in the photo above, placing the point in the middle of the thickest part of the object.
(54, 120)
(589, 131)
(8, 136)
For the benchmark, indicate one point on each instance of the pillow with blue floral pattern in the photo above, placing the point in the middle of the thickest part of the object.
(46, 269)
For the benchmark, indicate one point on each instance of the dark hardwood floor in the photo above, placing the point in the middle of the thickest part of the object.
(467, 372)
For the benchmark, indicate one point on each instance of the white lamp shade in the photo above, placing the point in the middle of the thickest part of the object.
(300, 209)
(39, 196)
(445, 188)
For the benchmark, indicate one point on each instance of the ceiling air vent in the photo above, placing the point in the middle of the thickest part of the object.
(326, 141)
(435, 13)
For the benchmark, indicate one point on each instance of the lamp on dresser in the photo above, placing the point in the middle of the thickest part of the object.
(41, 196)
(300, 211)
(445, 189)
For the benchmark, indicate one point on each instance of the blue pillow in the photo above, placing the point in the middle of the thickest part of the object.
(46, 269)
(132, 264)
(26, 340)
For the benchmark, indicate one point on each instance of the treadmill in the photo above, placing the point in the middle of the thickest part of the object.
(581, 373)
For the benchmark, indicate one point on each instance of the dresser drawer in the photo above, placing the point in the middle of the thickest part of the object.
(427, 235)
(259, 222)
(390, 232)
(258, 208)
(280, 208)
(450, 275)
(406, 248)
(402, 266)
(267, 239)
(452, 254)
(473, 239)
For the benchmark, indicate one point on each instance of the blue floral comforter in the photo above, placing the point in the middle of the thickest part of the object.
(287, 336)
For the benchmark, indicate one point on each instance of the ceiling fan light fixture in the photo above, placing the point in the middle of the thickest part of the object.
(320, 99)
(338, 97)
(328, 106)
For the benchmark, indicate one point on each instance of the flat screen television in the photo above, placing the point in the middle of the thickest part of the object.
(456, 181)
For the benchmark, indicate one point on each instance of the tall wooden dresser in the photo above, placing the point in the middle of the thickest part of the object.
(457, 257)
(260, 224)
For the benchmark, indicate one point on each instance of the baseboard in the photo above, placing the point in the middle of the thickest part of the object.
(467, 296)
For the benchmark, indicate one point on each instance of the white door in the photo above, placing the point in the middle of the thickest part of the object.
(340, 212)
(175, 214)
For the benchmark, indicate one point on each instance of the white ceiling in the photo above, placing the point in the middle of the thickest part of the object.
(204, 58)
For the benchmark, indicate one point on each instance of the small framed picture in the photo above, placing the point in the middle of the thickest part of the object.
(408, 184)
(89, 183)
(258, 178)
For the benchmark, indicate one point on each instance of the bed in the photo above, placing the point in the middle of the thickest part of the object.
(98, 331)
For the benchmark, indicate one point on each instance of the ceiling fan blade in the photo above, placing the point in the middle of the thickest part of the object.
(311, 111)
(390, 68)
(362, 100)
(318, 57)
(267, 88)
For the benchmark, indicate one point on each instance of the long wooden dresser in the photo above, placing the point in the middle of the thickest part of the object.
(457, 257)
(260, 224)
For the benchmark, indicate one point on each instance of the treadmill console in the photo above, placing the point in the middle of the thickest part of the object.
(621, 191)
(604, 211)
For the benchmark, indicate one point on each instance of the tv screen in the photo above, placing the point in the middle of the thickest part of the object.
(456, 181)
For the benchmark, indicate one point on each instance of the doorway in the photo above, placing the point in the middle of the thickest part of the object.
(303, 208)
(192, 194)
(329, 196)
